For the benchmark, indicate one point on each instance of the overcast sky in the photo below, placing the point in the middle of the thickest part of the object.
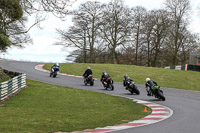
(43, 48)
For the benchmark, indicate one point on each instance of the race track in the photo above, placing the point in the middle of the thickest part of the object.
(185, 104)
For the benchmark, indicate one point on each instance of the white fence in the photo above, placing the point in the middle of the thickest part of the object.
(12, 86)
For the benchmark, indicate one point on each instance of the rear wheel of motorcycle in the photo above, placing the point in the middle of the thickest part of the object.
(105, 86)
(160, 95)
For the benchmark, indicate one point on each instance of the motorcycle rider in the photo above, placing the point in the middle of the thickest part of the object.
(104, 76)
(88, 72)
(149, 86)
(127, 81)
(55, 66)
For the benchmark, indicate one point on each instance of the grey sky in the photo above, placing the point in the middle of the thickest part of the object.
(43, 50)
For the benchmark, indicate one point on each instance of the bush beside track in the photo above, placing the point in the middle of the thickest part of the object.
(188, 80)
(3, 76)
(48, 108)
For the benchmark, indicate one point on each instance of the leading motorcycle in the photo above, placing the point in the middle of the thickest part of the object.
(54, 71)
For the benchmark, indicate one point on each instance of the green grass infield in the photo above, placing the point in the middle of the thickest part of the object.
(188, 80)
(45, 108)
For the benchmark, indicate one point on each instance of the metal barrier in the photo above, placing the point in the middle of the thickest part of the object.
(193, 68)
(176, 67)
(185, 67)
(12, 86)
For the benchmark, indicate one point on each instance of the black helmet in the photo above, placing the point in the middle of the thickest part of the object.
(103, 72)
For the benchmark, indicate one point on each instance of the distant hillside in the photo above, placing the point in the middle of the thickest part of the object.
(189, 80)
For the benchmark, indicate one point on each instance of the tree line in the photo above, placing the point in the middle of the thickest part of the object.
(115, 33)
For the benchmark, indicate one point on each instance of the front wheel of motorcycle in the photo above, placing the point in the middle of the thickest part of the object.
(54, 75)
(91, 83)
(112, 87)
(105, 87)
(160, 95)
(136, 90)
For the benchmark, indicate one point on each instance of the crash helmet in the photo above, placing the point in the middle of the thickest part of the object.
(103, 72)
(125, 76)
(57, 64)
(148, 79)
(88, 67)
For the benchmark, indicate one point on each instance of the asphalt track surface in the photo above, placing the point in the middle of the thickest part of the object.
(185, 104)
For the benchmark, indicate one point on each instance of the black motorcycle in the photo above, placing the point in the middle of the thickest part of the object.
(130, 86)
(108, 83)
(89, 80)
(54, 71)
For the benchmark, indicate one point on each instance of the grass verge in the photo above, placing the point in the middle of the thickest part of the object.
(164, 77)
(44, 108)
(3, 76)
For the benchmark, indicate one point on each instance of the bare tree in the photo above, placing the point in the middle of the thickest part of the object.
(59, 8)
(178, 10)
(90, 15)
(147, 31)
(114, 33)
(137, 14)
(83, 35)
(159, 33)
(115, 26)
(74, 37)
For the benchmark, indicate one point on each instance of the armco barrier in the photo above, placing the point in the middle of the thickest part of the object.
(176, 67)
(12, 86)
(193, 68)
(183, 67)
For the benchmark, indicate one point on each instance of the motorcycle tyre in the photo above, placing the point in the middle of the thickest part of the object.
(54, 75)
(136, 90)
(91, 82)
(112, 87)
(160, 95)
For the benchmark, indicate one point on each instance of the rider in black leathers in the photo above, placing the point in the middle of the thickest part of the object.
(54, 67)
(149, 86)
(127, 81)
(87, 73)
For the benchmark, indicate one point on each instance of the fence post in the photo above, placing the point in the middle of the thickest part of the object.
(186, 65)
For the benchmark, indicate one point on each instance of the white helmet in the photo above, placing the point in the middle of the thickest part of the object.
(88, 67)
(147, 79)
(57, 64)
